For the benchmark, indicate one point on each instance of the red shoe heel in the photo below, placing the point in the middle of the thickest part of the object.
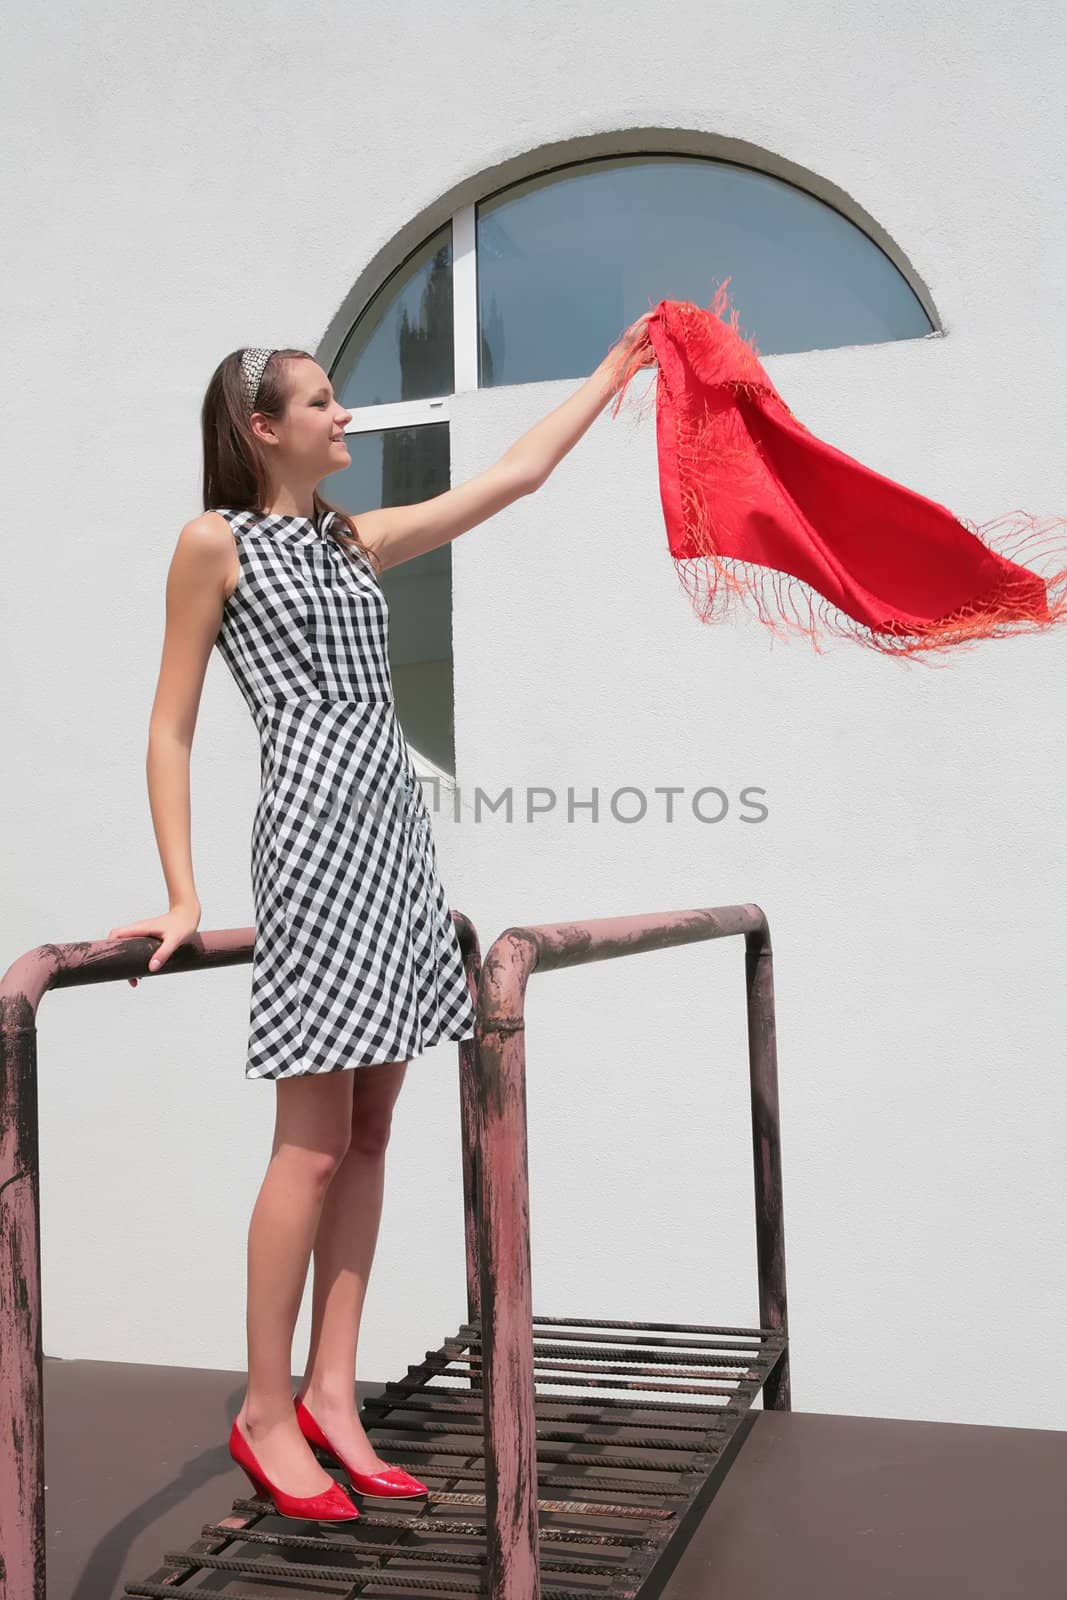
(257, 1488)
(392, 1484)
(332, 1505)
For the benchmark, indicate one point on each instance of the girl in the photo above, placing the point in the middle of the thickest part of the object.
(356, 961)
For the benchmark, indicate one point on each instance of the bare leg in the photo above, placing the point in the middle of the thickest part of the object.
(343, 1252)
(312, 1123)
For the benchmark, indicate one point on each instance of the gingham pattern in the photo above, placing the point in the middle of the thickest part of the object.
(356, 958)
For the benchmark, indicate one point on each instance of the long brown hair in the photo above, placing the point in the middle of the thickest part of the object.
(235, 467)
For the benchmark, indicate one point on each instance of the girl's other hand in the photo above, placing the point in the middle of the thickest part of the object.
(173, 928)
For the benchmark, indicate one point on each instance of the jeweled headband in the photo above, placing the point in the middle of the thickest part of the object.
(252, 364)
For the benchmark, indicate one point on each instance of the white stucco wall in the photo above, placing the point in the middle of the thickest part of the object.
(179, 190)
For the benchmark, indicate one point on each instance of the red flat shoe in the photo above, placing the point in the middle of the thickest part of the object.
(392, 1484)
(332, 1505)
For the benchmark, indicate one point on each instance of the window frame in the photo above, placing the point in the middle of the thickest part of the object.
(418, 413)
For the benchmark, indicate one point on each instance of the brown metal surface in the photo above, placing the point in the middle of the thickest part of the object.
(812, 1505)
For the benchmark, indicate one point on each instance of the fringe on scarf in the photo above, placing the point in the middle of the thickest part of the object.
(718, 463)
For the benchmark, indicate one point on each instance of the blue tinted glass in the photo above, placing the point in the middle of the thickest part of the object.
(400, 467)
(401, 347)
(567, 261)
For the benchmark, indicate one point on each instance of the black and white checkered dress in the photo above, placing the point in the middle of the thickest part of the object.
(356, 957)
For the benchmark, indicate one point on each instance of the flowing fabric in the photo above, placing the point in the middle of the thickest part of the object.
(757, 507)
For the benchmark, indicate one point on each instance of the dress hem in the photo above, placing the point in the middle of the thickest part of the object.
(444, 1037)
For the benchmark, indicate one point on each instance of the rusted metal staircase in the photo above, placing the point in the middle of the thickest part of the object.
(565, 1457)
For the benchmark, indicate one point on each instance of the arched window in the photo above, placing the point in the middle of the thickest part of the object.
(534, 283)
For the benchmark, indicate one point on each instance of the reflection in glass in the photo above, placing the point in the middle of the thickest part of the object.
(566, 261)
(393, 468)
(401, 347)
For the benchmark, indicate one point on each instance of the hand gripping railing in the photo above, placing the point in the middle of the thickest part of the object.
(493, 1109)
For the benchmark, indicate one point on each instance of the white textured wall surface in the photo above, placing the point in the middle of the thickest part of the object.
(177, 189)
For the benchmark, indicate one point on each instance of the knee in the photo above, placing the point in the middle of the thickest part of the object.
(369, 1134)
(323, 1161)
(374, 1094)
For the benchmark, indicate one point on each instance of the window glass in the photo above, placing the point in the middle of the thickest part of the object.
(401, 347)
(567, 260)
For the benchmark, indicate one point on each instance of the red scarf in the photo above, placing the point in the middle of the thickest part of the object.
(754, 503)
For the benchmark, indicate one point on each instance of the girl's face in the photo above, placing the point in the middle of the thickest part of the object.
(309, 440)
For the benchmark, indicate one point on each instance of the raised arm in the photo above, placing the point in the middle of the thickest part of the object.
(398, 533)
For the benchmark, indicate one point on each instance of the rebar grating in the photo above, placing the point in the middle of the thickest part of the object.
(633, 1424)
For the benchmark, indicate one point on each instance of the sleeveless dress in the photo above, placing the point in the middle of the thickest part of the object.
(356, 957)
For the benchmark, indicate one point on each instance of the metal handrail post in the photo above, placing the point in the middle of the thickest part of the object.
(501, 1194)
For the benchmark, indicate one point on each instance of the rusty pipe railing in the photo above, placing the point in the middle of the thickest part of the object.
(493, 1102)
(22, 988)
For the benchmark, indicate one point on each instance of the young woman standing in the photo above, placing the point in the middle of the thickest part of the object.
(356, 962)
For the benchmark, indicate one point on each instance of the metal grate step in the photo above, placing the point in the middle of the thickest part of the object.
(624, 1467)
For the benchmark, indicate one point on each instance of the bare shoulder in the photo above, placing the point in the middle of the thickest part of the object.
(206, 547)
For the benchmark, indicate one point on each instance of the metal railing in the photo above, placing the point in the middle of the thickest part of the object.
(495, 1141)
(649, 1413)
(22, 988)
